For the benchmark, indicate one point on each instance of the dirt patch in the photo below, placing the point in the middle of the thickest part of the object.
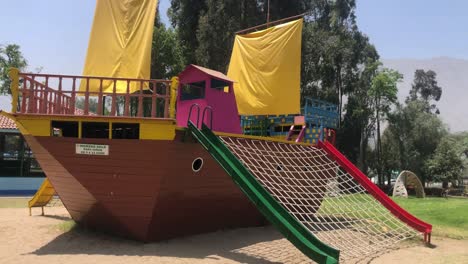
(443, 250)
(52, 239)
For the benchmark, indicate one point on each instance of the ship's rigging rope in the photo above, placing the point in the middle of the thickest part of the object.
(322, 196)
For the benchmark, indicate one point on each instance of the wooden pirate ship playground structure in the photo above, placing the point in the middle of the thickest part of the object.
(156, 159)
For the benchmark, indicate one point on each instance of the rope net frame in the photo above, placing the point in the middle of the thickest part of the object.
(322, 196)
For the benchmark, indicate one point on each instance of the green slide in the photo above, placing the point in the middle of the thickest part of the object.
(294, 231)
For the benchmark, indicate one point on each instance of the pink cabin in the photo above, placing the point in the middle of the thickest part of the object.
(208, 89)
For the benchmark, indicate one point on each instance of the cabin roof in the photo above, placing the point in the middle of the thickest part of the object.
(210, 72)
(7, 123)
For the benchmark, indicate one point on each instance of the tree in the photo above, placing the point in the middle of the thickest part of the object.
(216, 30)
(425, 88)
(359, 121)
(384, 94)
(334, 50)
(390, 159)
(460, 140)
(10, 56)
(216, 24)
(184, 16)
(417, 134)
(337, 63)
(166, 52)
(445, 165)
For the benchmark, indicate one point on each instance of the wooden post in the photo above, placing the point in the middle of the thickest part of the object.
(114, 98)
(59, 97)
(100, 105)
(80, 129)
(268, 14)
(86, 101)
(46, 96)
(24, 93)
(110, 130)
(167, 91)
(127, 100)
(140, 101)
(153, 99)
(73, 98)
(31, 96)
(287, 19)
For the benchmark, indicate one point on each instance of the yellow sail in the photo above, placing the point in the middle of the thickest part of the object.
(120, 43)
(266, 66)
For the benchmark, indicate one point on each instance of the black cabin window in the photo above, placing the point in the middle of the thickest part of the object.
(220, 85)
(65, 129)
(95, 130)
(193, 91)
(125, 131)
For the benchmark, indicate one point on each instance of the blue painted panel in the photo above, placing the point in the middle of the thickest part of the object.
(19, 185)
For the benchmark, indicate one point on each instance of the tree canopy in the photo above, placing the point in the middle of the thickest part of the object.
(446, 163)
(425, 88)
(166, 53)
(416, 135)
(10, 56)
(383, 93)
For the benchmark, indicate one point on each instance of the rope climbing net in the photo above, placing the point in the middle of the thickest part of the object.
(322, 196)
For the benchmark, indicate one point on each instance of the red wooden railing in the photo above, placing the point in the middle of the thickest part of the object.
(36, 96)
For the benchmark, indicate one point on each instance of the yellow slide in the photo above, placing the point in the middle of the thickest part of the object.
(43, 196)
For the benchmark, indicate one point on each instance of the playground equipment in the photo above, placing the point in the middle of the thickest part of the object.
(407, 179)
(129, 168)
(313, 195)
(124, 170)
(318, 122)
(43, 196)
(205, 87)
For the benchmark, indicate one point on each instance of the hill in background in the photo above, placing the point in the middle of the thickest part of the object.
(452, 76)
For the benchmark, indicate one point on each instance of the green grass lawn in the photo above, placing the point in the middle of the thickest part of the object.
(449, 217)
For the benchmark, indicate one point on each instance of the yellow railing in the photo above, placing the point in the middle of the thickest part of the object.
(174, 86)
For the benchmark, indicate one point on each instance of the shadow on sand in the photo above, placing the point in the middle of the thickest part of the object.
(243, 245)
(58, 217)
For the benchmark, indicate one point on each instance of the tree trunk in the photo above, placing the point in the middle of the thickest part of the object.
(445, 183)
(362, 149)
(389, 178)
(340, 92)
(379, 145)
(401, 150)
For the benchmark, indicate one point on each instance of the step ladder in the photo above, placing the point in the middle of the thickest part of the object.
(298, 128)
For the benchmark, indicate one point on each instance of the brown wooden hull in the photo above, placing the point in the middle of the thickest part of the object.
(144, 189)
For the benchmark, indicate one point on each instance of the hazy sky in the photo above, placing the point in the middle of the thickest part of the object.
(54, 34)
(415, 28)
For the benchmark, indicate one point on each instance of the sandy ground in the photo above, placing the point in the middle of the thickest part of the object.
(41, 239)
